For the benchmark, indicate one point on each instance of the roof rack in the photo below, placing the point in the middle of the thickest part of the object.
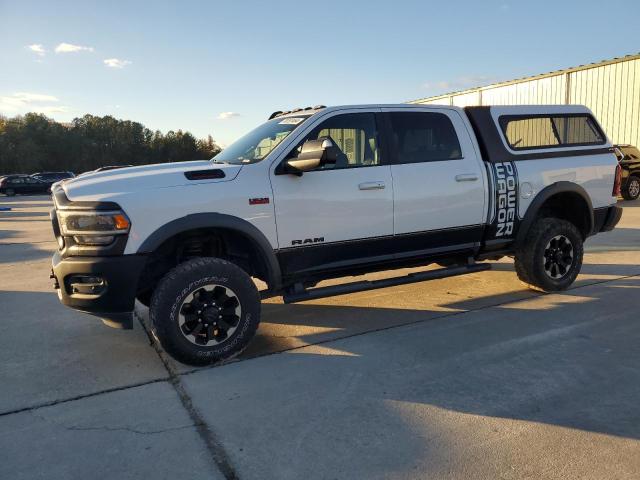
(279, 113)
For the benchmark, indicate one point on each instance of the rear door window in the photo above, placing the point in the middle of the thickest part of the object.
(423, 137)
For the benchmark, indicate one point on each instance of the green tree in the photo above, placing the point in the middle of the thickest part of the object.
(34, 142)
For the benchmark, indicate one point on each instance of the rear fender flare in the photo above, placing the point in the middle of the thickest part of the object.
(544, 195)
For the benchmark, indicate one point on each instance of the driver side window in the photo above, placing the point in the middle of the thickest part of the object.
(356, 137)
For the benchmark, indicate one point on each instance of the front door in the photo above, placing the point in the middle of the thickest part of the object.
(323, 216)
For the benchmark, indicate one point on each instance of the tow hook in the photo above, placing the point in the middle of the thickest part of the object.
(53, 277)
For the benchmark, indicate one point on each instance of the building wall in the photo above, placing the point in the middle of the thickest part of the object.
(610, 89)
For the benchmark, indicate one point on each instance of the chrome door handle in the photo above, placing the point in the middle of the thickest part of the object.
(371, 186)
(466, 177)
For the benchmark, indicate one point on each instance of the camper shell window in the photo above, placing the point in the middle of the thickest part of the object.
(527, 132)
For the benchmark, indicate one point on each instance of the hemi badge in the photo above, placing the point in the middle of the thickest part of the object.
(258, 201)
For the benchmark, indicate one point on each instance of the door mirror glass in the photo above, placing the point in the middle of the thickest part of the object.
(313, 154)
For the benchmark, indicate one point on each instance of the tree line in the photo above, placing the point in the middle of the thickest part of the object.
(34, 142)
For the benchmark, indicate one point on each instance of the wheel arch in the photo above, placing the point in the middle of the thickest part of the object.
(566, 200)
(222, 223)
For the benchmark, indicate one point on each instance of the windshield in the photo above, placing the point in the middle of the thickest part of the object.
(258, 143)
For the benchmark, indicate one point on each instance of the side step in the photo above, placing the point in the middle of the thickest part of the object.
(300, 295)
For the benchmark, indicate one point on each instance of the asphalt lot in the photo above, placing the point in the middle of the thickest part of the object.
(467, 377)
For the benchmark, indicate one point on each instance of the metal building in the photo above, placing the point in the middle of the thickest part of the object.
(611, 89)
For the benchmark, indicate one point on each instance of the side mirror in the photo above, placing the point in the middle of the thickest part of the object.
(313, 154)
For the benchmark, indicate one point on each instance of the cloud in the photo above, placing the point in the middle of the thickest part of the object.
(460, 83)
(228, 115)
(21, 99)
(116, 63)
(49, 109)
(70, 48)
(37, 48)
(31, 102)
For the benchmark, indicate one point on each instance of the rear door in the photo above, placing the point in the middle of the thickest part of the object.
(438, 179)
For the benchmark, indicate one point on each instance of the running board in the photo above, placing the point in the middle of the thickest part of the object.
(300, 295)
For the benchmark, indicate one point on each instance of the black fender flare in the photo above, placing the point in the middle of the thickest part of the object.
(544, 195)
(219, 220)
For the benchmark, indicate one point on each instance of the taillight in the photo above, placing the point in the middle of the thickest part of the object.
(617, 184)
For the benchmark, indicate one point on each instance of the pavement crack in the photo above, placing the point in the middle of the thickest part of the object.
(80, 397)
(212, 443)
(128, 429)
(105, 428)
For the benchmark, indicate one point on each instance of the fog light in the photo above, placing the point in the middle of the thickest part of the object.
(87, 284)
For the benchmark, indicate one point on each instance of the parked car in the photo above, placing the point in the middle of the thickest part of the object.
(22, 184)
(53, 177)
(629, 158)
(332, 192)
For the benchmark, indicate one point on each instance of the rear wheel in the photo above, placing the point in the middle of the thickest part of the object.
(9, 192)
(551, 257)
(631, 190)
(205, 310)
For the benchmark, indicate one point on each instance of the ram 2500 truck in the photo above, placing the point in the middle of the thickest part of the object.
(321, 193)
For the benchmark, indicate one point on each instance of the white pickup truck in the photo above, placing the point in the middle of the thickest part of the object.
(320, 193)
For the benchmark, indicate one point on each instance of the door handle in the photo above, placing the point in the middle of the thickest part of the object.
(371, 186)
(466, 177)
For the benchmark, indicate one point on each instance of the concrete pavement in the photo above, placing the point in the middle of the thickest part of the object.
(472, 376)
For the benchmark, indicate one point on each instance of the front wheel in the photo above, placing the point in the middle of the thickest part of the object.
(631, 190)
(551, 257)
(205, 310)
(9, 192)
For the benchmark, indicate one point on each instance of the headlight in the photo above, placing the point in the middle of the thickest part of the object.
(93, 228)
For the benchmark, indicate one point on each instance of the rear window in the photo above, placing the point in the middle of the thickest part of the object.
(424, 137)
(524, 132)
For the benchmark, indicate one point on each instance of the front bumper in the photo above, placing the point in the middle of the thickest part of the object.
(101, 286)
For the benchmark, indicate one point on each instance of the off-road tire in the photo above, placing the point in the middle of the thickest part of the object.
(631, 190)
(183, 280)
(529, 258)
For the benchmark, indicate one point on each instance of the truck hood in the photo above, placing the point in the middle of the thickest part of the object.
(100, 185)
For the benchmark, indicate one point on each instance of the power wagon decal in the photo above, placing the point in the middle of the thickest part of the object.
(505, 220)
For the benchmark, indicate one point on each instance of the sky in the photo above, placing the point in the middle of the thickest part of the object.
(221, 67)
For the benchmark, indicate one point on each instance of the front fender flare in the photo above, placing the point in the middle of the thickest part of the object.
(219, 220)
